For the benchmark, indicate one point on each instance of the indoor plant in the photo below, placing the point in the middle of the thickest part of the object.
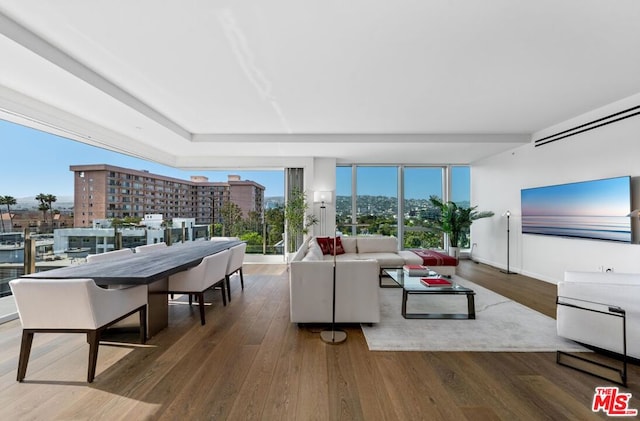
(455, 221)
(296, 218)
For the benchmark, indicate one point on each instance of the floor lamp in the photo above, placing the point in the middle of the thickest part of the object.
(324, 198)
(333, 336)
(508, 215)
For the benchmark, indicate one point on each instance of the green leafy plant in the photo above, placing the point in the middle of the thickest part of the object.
(455, 220)
(296, 218)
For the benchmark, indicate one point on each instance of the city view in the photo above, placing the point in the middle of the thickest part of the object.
(43, 196)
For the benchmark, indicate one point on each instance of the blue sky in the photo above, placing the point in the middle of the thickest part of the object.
(36, 162)
(419, 182)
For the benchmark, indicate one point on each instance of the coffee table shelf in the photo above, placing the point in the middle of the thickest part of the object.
(411, 285)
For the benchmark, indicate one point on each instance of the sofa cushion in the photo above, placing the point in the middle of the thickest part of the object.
(384, 259)
(344, 257)
(349, 244)
(325, 244)
(377, 244)
(410, 258)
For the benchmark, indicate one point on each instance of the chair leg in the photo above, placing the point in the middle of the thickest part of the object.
(201, 306)
(241, 278)
(224, 294)
(143, 325)
(93, 337)
(227, 281)
(25, 351)
(190, 300)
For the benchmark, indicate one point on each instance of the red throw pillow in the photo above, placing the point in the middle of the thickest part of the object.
(325, 244)
(336, 248)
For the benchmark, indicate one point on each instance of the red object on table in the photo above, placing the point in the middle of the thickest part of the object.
(435, 282)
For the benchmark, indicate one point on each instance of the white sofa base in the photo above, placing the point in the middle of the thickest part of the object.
(357, 292)
(598, 290)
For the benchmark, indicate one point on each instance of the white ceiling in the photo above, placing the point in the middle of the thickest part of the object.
(204, 84)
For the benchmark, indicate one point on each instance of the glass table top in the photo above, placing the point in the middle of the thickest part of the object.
(414, 283)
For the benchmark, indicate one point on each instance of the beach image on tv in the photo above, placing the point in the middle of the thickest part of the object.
(594, 209)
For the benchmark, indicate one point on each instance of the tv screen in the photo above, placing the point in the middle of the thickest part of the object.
(595, 209)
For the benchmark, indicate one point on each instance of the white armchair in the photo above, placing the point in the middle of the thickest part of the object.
(151, 247)
(235, 265)
(73, 306)
(209, 273)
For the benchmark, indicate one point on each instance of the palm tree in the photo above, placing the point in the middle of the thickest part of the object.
(455, 220)
(50, 199)
(43, 207)
(8, 200)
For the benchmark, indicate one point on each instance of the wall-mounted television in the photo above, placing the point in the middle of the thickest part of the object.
(595, 209)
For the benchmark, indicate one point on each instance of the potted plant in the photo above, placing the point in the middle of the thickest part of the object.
(455, 221)
(296, 219)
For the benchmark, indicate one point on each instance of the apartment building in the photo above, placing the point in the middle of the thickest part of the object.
(104, 191)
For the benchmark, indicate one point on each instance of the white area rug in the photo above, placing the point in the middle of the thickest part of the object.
(501, 325)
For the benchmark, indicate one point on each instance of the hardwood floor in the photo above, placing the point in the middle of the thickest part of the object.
(250, 362)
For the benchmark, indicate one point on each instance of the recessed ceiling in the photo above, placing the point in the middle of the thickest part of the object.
(196, 84)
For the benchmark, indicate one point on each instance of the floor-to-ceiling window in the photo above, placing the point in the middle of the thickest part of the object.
(419, 184)
(460, 187)
(379, 199)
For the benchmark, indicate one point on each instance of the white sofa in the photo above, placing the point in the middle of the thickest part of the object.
(598, 291)
(382, 249)
(357, 279)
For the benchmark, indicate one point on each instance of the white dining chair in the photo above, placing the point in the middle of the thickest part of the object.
(236, 259)
(149, 248)
(110, 255)
(73, 306)
(195, 281)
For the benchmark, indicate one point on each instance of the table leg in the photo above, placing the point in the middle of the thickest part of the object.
(471, 306)
(157, 307)
(404, 303)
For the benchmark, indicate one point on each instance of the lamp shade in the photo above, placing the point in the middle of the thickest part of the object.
(323, 197)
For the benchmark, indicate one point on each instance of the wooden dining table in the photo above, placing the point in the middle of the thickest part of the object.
(152, 269)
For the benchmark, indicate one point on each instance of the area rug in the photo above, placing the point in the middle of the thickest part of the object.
(501, 325)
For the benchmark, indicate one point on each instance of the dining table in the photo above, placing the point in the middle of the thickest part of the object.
(151, 269)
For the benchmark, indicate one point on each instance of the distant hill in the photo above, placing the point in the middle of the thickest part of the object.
(30, 202)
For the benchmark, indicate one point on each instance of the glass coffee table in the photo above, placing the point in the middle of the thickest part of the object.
(412, 285)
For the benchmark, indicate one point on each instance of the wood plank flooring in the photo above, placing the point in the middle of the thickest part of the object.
(249, 362)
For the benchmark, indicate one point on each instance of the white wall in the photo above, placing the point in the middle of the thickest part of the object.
(608, 151)
(324, 179)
